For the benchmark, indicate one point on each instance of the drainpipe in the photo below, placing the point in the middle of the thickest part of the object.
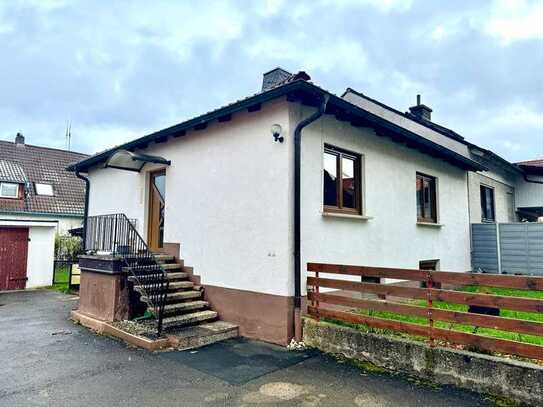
(297, 216)
(85, 216)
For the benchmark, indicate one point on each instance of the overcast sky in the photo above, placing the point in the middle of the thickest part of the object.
(119, 70)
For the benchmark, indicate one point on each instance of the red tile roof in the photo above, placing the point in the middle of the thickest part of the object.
(28, 165)
(532, 163)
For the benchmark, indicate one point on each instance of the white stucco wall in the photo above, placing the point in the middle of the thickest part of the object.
(117, 191)
(392, 237)
(229, 199)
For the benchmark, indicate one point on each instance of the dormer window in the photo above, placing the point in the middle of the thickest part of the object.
(9, 190)
(44, 189)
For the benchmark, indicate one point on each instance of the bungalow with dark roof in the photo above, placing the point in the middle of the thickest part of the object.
(249, 193)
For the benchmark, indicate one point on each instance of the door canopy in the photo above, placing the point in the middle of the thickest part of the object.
(127, 160)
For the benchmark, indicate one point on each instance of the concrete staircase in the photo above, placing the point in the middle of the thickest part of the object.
(186, 314)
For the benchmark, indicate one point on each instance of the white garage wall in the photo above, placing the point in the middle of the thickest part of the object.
(64, 223)
(41, 252)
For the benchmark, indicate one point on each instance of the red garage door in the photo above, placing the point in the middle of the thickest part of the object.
(13, 256)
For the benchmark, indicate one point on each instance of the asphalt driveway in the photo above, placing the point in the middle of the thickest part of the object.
(46, 360)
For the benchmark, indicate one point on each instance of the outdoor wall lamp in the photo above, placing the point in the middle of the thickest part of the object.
(276, 133)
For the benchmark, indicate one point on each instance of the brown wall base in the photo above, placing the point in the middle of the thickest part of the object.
(260, 316)
(104, 296)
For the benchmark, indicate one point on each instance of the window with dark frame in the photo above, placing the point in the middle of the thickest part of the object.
(487, 204)
(341, 176)
(426, 199)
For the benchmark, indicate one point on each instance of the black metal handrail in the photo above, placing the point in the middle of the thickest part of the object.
(116, 235)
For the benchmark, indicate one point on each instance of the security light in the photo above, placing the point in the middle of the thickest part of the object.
(276, 133)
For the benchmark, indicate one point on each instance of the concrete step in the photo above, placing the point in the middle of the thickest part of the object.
(200, 335)
(188, 319)
(183, 295)
(163, 257)
(178, 296)
(171, 266)
(176, 285)
(185, 306)
(177, 275)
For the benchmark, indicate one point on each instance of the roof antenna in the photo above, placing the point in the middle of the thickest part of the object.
(68, 134)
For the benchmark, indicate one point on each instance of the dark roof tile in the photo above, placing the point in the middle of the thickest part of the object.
(28, 165)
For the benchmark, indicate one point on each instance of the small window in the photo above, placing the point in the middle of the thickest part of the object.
(429, 265)
(44, 189)
(487, 204)
(9, 190)
(426, 199)
(341, 179)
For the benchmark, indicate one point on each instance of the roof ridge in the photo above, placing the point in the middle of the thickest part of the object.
(426, 123)
(47, 148)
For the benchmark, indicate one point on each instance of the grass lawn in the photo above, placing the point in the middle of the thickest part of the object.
(62, 275)
(530, 316)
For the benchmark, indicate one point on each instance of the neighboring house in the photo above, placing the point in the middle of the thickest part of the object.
(505, 192)
(254, 190)
(38, 198)
(530, 190)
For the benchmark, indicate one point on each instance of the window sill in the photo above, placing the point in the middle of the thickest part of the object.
(430, 224)
(346, 216)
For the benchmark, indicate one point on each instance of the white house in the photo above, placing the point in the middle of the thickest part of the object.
(38, 199)
(249, 193)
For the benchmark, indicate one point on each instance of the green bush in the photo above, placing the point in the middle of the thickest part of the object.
(68, 247)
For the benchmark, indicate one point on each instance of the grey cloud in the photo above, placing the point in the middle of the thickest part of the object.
(121, 71)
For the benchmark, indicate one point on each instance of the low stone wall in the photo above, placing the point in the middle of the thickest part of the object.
(513, 379)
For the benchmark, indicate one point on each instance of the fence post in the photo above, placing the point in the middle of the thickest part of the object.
(70, 277)
(498, 248)
(317, 292)
(429, 305)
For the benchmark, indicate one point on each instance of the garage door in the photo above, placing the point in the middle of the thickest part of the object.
(13, 256)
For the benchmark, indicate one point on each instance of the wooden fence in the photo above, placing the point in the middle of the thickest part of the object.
(433, 280)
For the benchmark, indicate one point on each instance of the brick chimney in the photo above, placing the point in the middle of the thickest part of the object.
(20, 139)
(421, 111)
(273, 78)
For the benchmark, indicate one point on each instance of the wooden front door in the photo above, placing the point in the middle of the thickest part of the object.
(155, 227)
(13, 257)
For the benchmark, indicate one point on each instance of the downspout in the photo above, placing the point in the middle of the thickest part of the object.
(86, 213)
(297, 216)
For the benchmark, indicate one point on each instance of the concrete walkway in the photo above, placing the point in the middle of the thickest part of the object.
(48, 361)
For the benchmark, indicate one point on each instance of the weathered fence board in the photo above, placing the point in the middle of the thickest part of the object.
(342, 303)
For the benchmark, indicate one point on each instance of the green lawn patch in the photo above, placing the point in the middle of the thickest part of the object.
(494, 333)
